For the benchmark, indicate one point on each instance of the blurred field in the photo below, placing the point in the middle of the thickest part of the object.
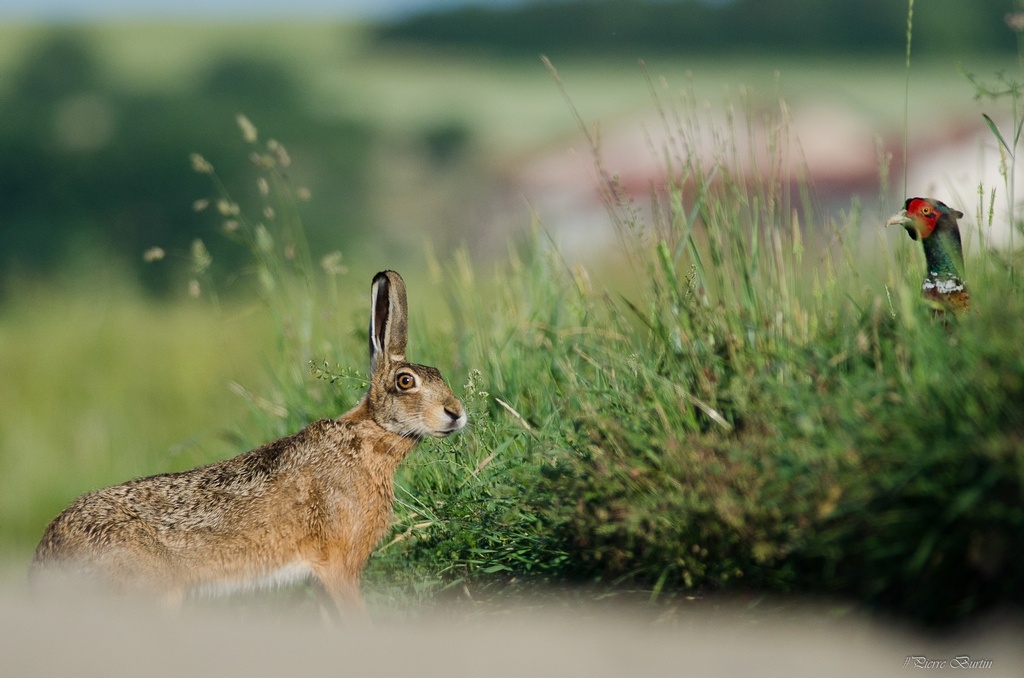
(402, 144)
(511, 103)
(101, 384)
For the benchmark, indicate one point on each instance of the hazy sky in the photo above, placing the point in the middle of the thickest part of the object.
(212, 9)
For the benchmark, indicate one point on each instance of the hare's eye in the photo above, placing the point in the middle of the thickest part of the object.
(405, 381)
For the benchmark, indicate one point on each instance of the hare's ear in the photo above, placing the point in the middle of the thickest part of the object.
(388, 319)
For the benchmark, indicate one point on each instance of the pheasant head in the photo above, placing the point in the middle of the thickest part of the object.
(934, 224)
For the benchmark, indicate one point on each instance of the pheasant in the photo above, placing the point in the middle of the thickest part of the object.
(934, 224)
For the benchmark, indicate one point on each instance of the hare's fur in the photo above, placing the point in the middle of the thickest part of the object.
(313, 503)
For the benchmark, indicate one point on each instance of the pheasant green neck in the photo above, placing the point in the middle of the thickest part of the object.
(944, 254)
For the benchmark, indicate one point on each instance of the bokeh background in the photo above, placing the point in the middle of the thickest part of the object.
(414, 122)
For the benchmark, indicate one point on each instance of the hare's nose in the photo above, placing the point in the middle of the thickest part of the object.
(456, 418)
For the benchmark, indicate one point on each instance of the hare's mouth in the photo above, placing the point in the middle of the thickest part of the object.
(449, 429)
(444, 433)
(421, 430)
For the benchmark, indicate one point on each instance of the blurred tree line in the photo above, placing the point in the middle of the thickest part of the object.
(87, 164)
(699, 27)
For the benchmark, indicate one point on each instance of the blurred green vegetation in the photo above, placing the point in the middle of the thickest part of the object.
(86, 162)
(641, 28)
(101, 383)
(396, 143)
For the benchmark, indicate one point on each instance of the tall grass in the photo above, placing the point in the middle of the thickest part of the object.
(1005, 87)
(760, 417)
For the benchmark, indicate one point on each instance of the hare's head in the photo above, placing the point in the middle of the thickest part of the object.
(405, 398)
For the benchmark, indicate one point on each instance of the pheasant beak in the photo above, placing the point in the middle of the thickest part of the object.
(900, 219)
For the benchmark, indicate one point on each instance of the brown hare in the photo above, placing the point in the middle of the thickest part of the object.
(313, 504)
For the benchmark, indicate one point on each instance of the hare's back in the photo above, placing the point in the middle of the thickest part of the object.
(164, 509)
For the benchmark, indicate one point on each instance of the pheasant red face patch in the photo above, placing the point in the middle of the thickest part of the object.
(924, 215)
